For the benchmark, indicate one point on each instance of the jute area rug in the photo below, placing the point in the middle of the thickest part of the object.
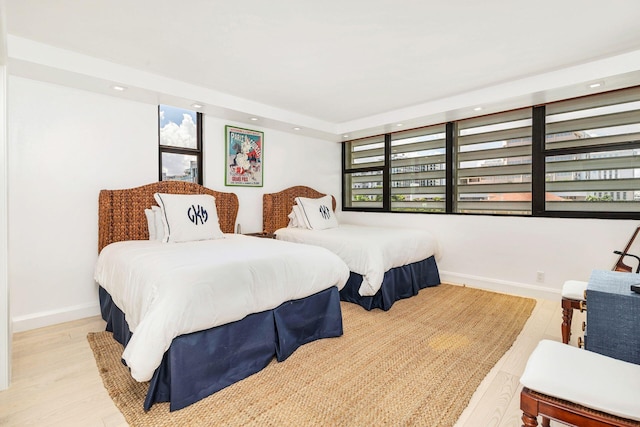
(417, 364)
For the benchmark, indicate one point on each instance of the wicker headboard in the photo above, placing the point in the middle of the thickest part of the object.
(276, 207)
(121, 212)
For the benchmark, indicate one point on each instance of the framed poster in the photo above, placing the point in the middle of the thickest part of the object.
(244, 149)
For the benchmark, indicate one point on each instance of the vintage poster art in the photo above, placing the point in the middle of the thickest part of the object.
(244, 149)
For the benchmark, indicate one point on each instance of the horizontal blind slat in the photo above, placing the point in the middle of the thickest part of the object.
(495, 171)
(590, 185)
(588, 142)
(599, 100)
(494, 188)
(605, 163)
(578, 206)
(416, 147)
(596, 122)
(497, 153)
(503, 135)
(439, 174)
(418, 161)
(435, 189)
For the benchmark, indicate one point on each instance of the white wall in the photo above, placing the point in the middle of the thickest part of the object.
(288, 160)
(66, 144)
(505, 253)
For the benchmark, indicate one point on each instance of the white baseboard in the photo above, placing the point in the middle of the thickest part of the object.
(48, 318)
(502, 286)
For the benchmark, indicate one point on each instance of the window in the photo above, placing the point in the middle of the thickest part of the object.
(592, 154)
(493, 164)
(573, 158)
(180, 142)
(364, 177)
(418, 181)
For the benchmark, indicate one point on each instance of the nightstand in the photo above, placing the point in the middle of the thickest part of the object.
(263, 235)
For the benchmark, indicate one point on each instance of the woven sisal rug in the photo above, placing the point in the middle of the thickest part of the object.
(416, 365)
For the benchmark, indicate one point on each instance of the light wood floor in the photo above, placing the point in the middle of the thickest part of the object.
(55, 381)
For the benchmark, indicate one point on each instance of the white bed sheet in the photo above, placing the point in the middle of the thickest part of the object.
(368, 251)
(170, 289)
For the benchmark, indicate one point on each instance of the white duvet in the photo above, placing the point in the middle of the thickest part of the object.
(368, 251)
(170, 289)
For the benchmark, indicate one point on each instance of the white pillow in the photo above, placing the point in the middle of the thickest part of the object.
(151, 223)
(300, 217)
(187, 217)
(293, 220)
(318, 213)
(157, 215)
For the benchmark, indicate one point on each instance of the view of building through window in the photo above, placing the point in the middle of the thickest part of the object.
(180, 144)
(590, 161)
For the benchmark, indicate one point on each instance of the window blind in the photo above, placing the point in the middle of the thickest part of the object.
(493, 164)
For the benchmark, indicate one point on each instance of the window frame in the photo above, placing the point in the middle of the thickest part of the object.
(197, 152)
(539, 153)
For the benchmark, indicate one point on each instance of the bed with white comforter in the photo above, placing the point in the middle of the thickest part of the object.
(215, 282)
(386, 263)
(368, 251)
(197, 308)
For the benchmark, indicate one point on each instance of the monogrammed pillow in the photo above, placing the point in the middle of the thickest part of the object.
(318, 213)
(187, 217)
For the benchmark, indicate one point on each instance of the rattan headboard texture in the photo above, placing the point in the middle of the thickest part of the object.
(121, 212)
(276, 207)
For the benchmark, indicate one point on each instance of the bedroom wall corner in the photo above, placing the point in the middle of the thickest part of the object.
(64, 146)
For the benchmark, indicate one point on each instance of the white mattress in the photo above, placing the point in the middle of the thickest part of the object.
(368, 251)
(170, 289)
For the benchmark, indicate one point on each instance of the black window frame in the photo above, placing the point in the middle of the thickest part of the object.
(197, 152)
(539, 153)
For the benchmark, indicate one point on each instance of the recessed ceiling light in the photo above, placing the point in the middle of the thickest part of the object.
(253, 118)
(296, 128)
(196, 105)
(477, 109)
(118, 88)
(345, 136)
(399, 124)
(596, 84)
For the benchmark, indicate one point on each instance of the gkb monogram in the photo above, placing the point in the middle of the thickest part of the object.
(324, 211)
(196, 214)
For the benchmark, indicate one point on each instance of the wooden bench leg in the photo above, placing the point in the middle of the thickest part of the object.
(567, 315)
(529, 420)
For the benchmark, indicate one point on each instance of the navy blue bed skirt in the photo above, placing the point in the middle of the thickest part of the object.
(398, 283)
(201, 363)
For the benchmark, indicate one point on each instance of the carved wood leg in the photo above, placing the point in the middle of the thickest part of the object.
(529, 420)
(546, 422)
(567, 315)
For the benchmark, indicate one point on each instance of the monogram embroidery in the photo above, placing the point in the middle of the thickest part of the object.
(196, 214)
(325, 212)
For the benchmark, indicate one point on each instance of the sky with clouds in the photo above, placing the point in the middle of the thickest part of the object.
(178, 128)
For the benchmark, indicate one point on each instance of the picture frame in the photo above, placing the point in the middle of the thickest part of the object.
(244, 150)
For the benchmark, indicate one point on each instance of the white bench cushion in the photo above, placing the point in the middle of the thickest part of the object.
(584, 377)
(574, 289)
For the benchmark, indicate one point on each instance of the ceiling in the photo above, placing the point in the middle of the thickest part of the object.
(334, 66)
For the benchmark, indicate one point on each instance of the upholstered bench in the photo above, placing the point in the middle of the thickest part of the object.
(579, 387)
(573, 298)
